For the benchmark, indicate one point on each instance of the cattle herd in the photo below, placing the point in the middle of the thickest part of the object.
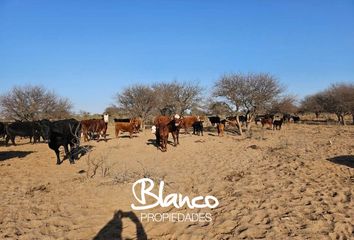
(68, 132)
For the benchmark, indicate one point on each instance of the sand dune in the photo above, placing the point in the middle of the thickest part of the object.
(296, 183)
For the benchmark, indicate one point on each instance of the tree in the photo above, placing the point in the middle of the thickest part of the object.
(33, 103)
(285, 105)
(137, 100)
(219, 108)
(177, 97)
(313, 103)
(251, 93)
(337, 99)
(116, 111)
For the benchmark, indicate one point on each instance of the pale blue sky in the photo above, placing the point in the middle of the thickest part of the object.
(89, 50)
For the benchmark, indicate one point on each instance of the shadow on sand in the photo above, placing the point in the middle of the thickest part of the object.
(127, 136)
(114, 228)
(13, 154)
(153, 142)
(346, 160)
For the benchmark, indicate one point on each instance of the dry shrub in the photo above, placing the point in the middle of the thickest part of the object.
(98, 165)
(234, 176)
(130, 176)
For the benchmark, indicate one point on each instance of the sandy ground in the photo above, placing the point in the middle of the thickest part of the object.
(297, 183)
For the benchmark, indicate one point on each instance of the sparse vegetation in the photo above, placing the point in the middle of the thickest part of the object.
(249, 93)
(33, 103)
(337, 99)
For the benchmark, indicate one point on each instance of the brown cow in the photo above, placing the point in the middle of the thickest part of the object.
(137, 120)
(163, 126)
(130, 127)
(94, 126)
(221, 127)
(138, 123)
(268, 121)
(188, 122)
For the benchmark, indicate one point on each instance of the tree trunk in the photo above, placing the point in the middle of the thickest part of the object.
(142, 123)
(338, 117)
(250, 116)
(249, 122)
(239, 124)
(343, 120)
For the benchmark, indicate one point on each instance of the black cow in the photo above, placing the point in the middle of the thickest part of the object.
(277, 124)
(286, 117)
(242, 118)
(62, 133)
(23, 129)
(198, 128)
(214, 120)
(174, 128)
(296, 119)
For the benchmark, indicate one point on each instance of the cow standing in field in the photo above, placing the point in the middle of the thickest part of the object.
(161, 131)
(267, 121)
(286, 118)
(296, 119)
(92, 127)
(132, 127)
(220, 124)
(221, 128)
(163, 125)
(198, 128)
(23, 129)
(62, 133)
(174, 128)
(137, 121)
(277, 124)
(188, 121)
(214, 120)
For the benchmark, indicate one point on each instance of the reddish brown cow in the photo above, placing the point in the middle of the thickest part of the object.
(268, 121)
(136, 120)
(163, 126)
(130, 127)
(94, 126)
(188, 122)
(138, 123)
(162, 131)
(221, 127)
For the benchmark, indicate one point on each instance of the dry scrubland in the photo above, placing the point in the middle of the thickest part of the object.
(271, 184)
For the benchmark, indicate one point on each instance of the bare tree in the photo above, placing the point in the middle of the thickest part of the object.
(116, 111)
(137, 100)
(177, 96)
(219, 108)
(313, 103)
(285, 105)
(337, 99)
(33, 103)
(251, 93)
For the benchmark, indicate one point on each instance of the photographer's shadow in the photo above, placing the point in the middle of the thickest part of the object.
(113, 229)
